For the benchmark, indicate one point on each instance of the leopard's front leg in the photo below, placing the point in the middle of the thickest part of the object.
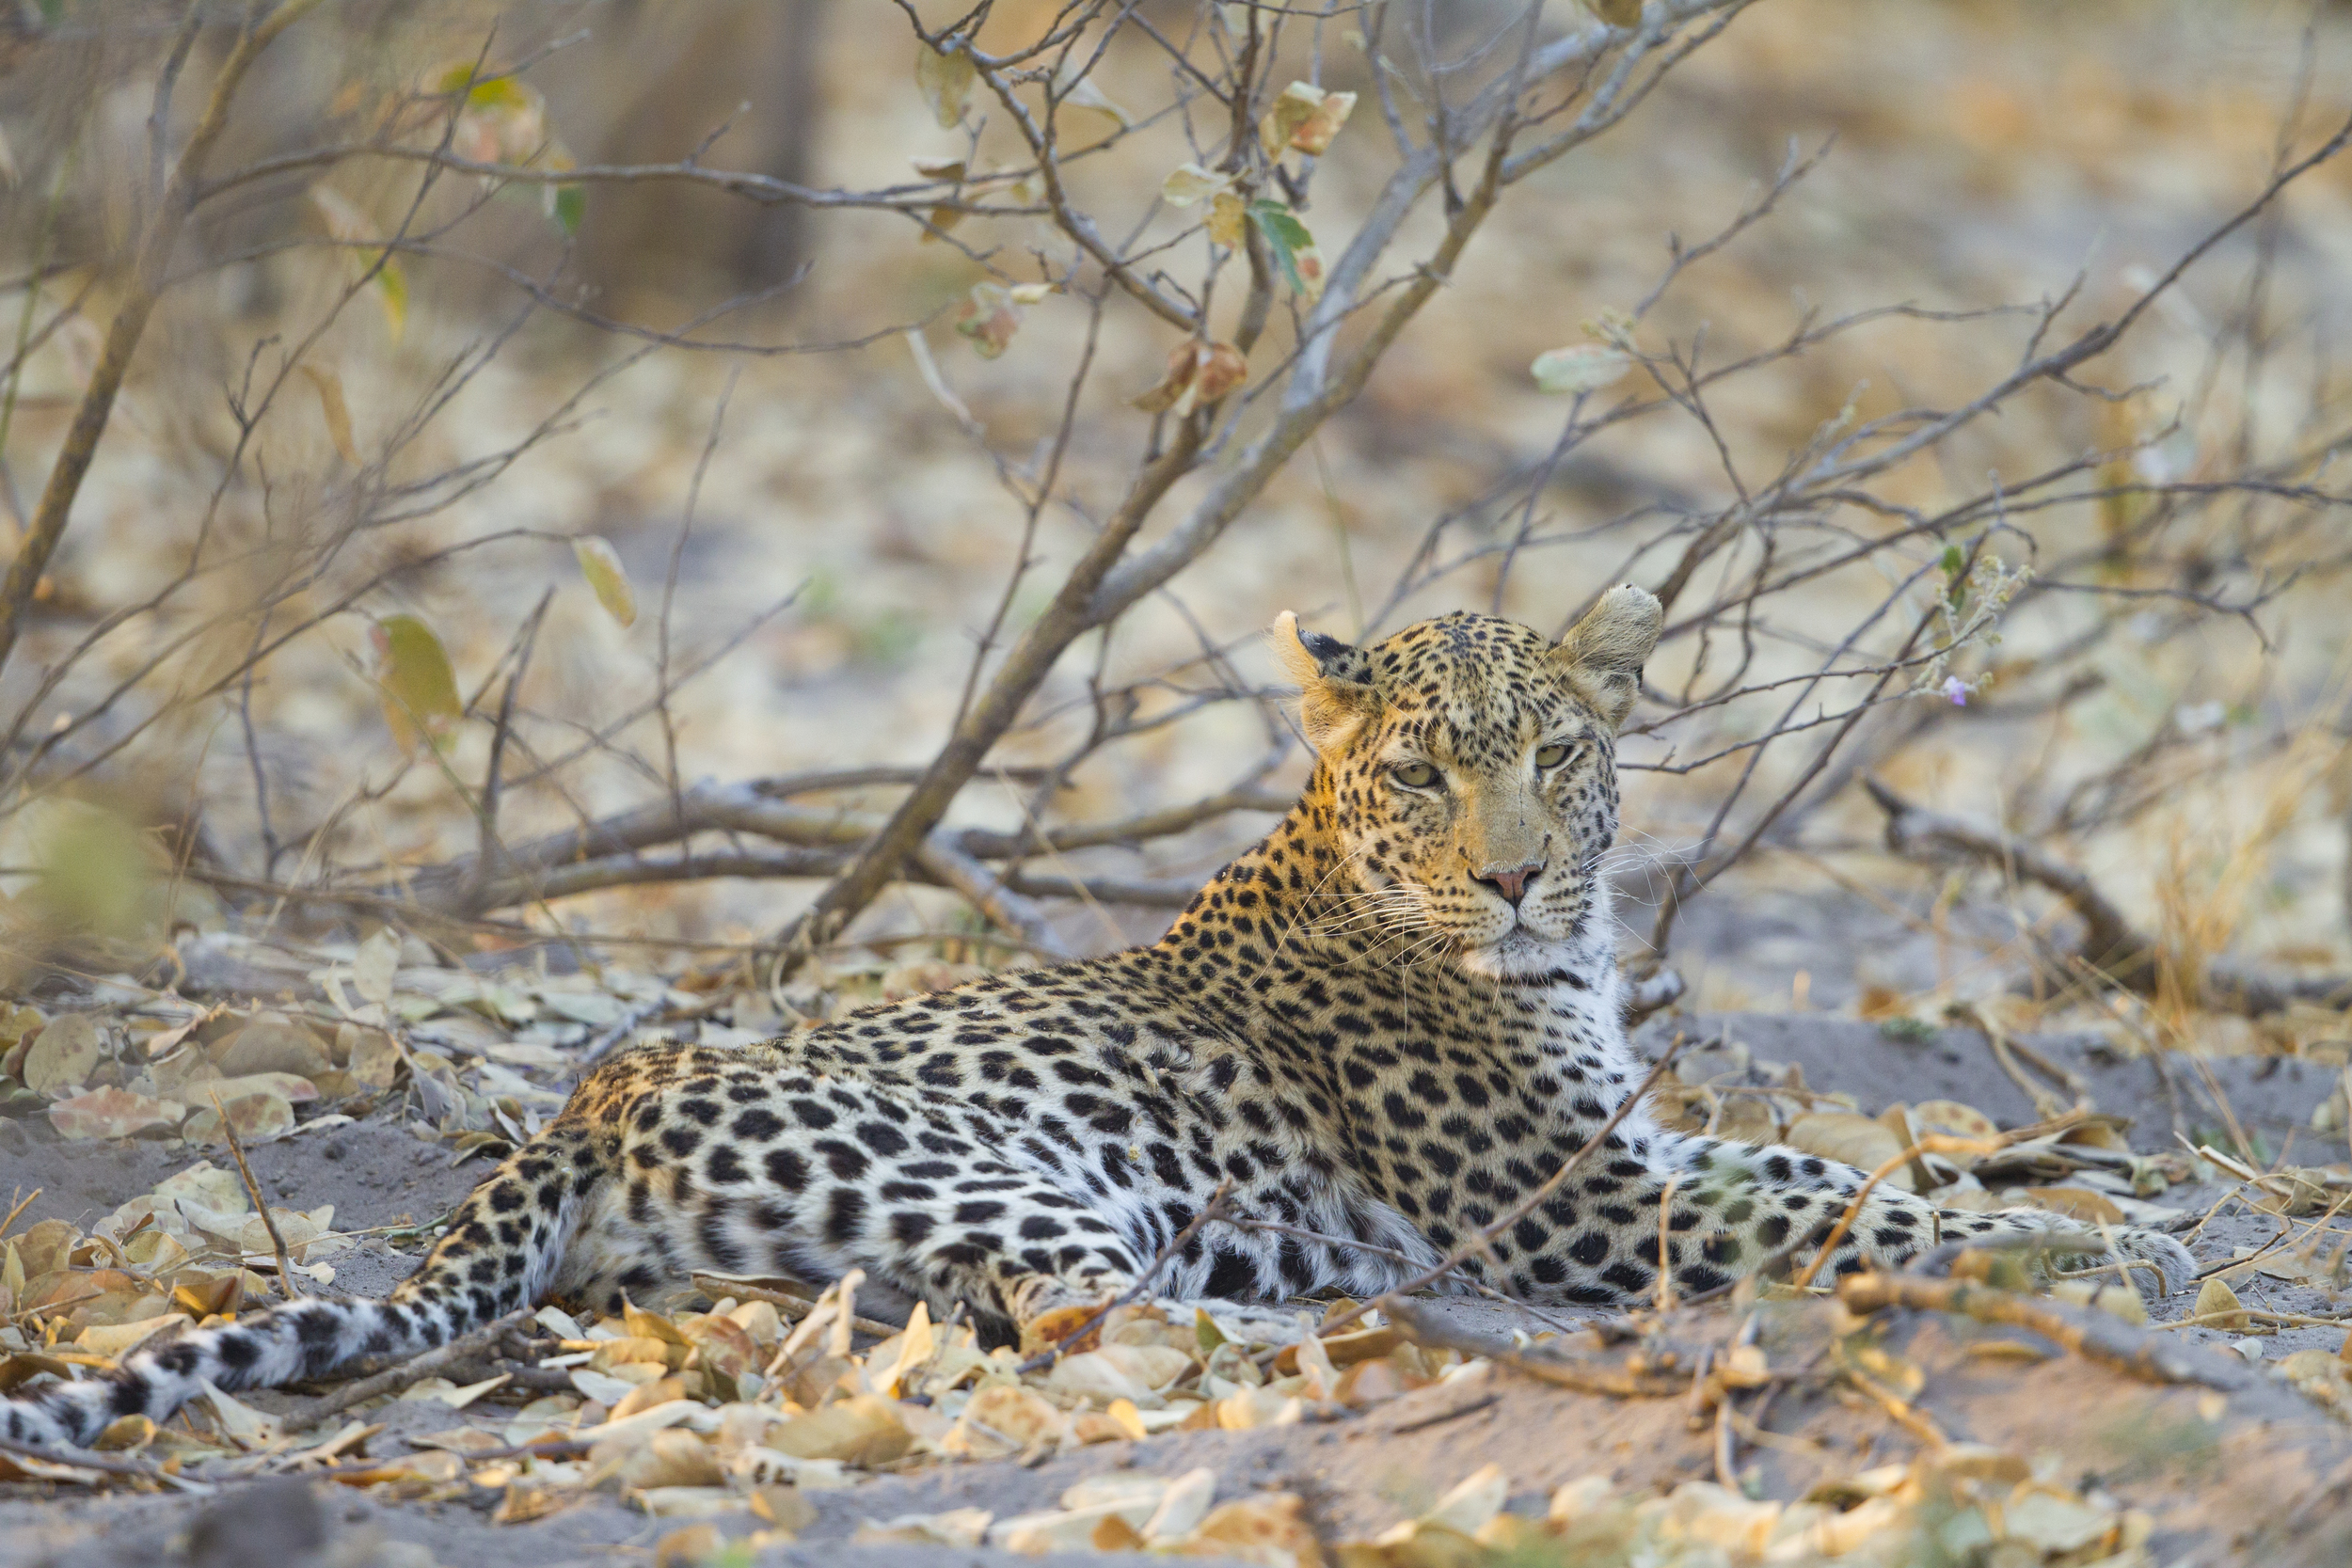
(1729, 1208)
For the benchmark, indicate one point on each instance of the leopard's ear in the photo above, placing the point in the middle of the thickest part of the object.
(1335, 697)
(1602, 655)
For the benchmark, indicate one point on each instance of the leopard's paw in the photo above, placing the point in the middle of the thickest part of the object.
(1243, 1323)
(2155, 1262)
(1070, 1328)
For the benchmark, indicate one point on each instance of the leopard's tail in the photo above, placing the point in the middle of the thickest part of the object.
(283, 1344)
(500, 1253)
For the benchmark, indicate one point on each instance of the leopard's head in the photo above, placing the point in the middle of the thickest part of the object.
(1471, 765)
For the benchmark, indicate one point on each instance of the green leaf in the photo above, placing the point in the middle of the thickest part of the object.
(602, 565)
(1953, 560)
(482, 92)
(1292, 246)
(571, 205)
(413, 672)
(391, 292)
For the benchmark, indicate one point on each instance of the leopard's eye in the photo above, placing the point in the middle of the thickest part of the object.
(1553, 755)
(1414, 775)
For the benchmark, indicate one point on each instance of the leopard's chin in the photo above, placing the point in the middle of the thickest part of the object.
(1519, 954)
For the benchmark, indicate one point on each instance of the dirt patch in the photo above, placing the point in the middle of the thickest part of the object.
(2250, 1474)
(374, 1174)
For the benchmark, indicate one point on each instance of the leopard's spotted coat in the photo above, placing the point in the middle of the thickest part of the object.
(1389, 1020)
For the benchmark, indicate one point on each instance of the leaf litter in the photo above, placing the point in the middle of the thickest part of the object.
(742, 1413)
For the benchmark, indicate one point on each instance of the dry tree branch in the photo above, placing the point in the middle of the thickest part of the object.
(2109, 943)
(144, 289)
(2086, 1331)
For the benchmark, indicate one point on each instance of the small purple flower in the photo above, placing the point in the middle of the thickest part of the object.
(1957, 689)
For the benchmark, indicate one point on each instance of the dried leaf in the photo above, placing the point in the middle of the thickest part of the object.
(2052, 1524)
(1314, 134)
(241, 1423)
(689, 1547)
(375, 966)
(1198, 374)
(1476, 1499)
(1228, 216)
(207, 1184)
(259, 1115)
(1617, 13)
(112, 1113)
(1852, 1138)
(1080, 92)
(2076, 1203)
(1950, 1115)
(989, 317)
(1182, 1507)
(1187, 184)
(1584, 367)
(600, 564)
(1299, 102)
(860, 1431)
(348, 224)
(1304, 118)
(790, 1512)
(671, 1457)
(2220, 1307)
(269, 1044)
(946, 83)
(330, 386)
(658, 1393)
(120, 1339)
(420, 687)
(1271, 1528)
(1019, 1415)
(64, 1056)
(958, 1526)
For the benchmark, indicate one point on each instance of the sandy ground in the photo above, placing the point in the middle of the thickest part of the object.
(2216, 1476)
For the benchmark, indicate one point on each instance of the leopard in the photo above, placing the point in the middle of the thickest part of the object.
(1368, 1048)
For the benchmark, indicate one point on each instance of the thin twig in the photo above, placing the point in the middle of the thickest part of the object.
(260, 1204)
(1213, 1209)
(1487, 1236)
(2088, 1332)
(102, 1463)
(394, 1380)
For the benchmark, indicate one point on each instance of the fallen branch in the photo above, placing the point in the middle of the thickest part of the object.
(413, 1371)
(987, 893)
(718, 1285)
(2111, 943)
(2087, 1332)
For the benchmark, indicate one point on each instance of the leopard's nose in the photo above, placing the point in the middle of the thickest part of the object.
(1512, 884)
